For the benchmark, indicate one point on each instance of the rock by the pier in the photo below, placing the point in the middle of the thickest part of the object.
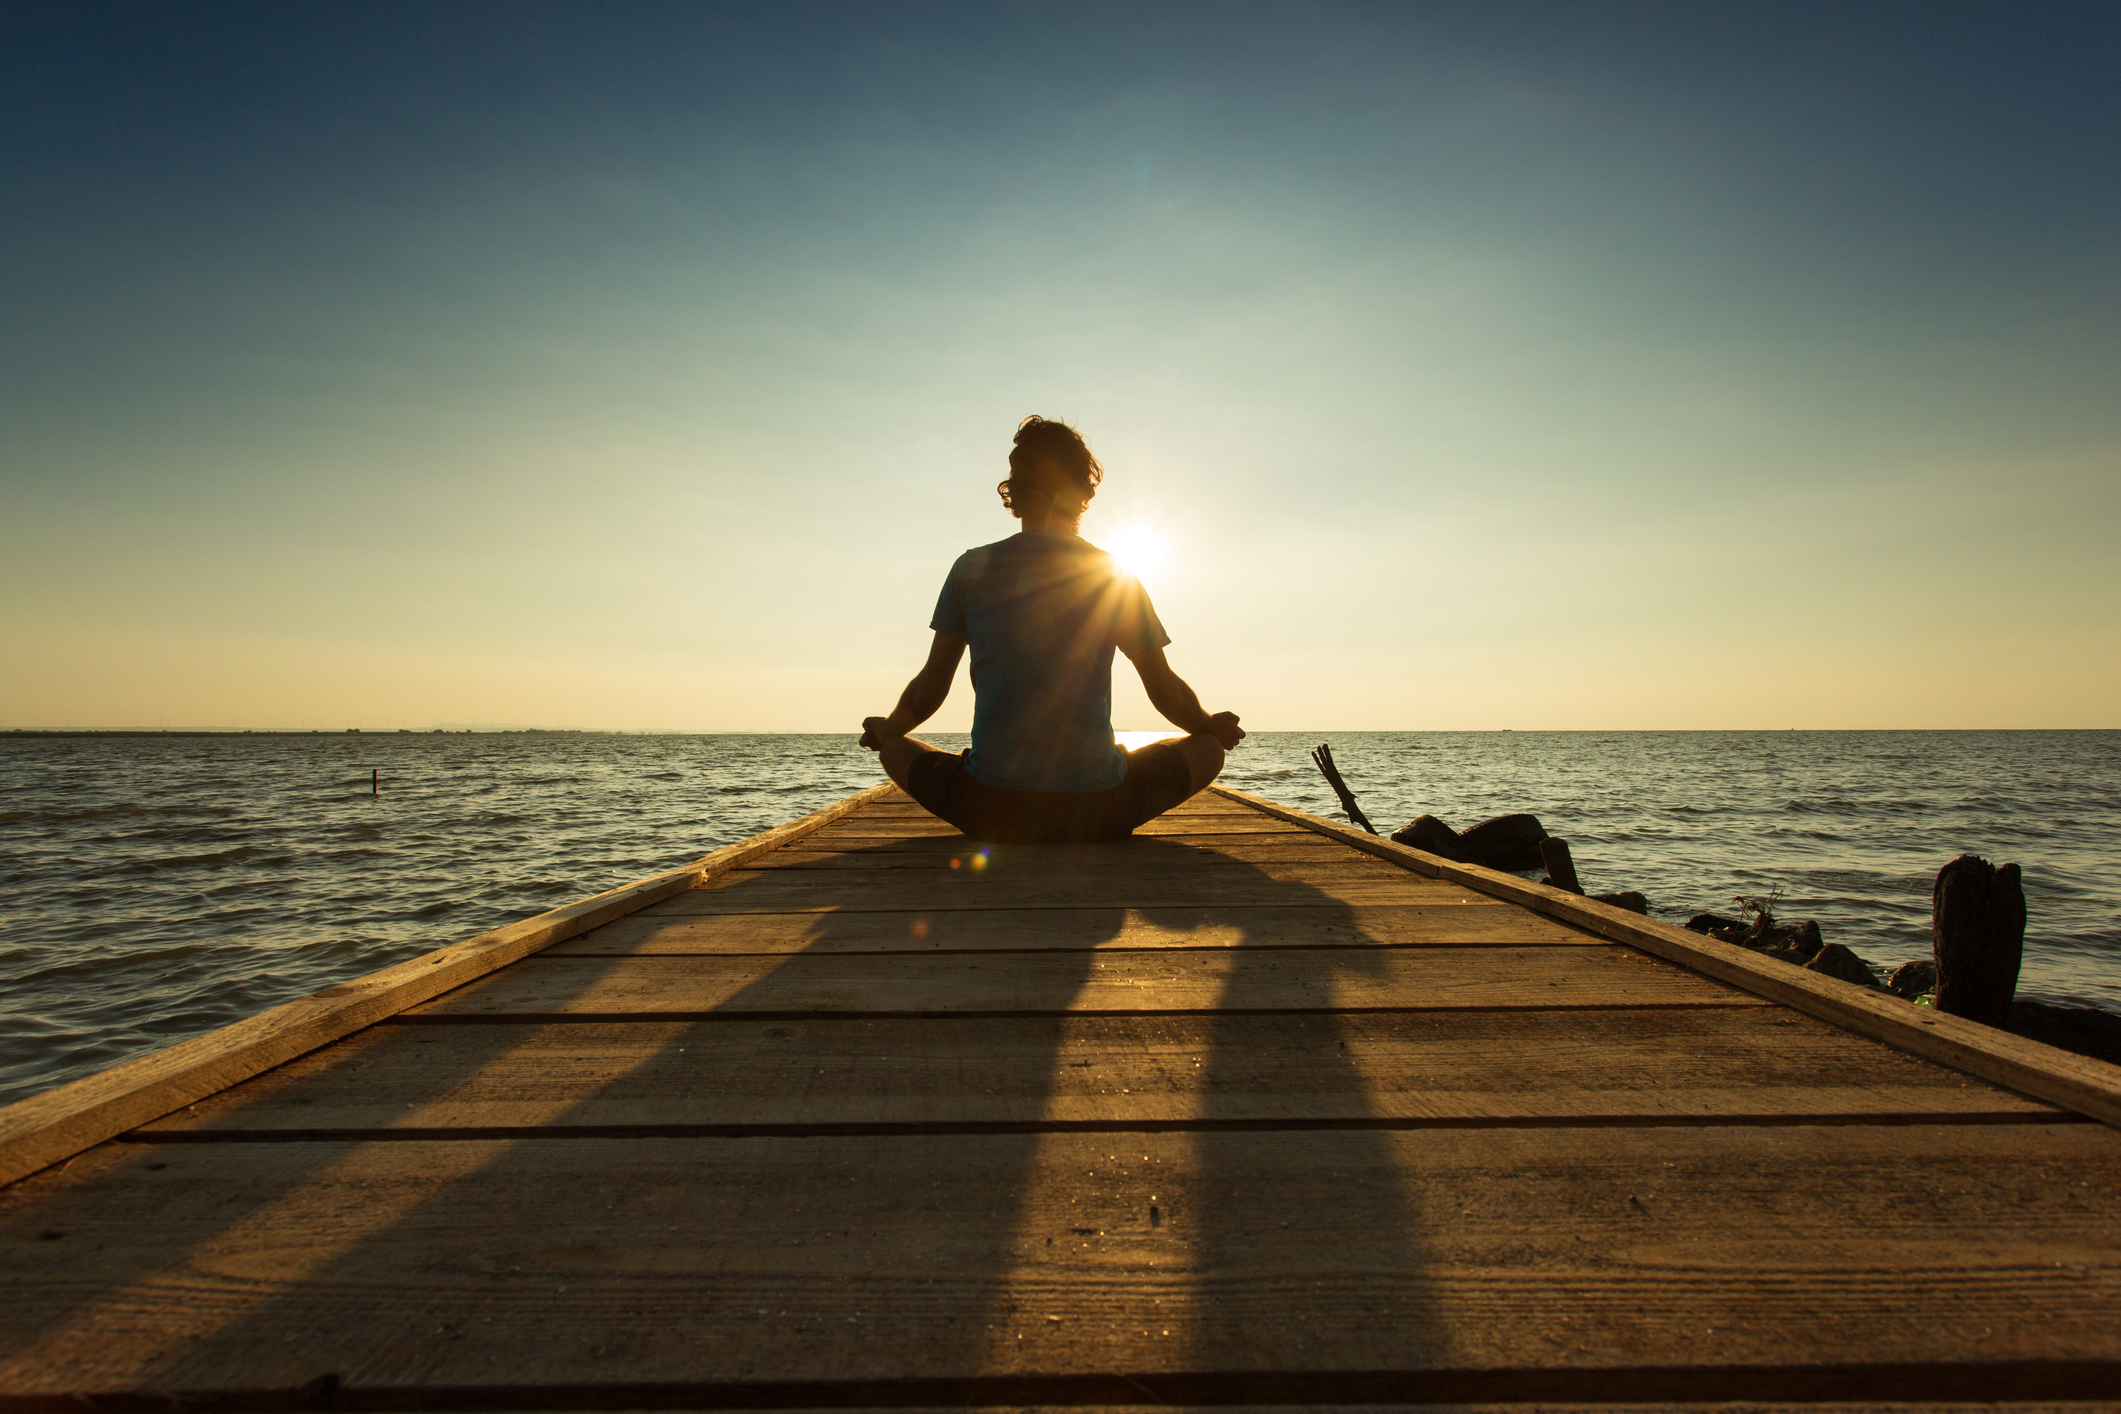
(1507, 842)
(1627, 899)
(1837, 961)
(1715, 925)
(1805, 938)
(1912, 979)
(1801, 940)
(2087, 1031)
(1426, 832)
(1977, 928)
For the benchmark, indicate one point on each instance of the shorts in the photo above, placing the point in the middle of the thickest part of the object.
(1157, 779)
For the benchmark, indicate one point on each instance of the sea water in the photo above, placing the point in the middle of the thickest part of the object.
(159, 886)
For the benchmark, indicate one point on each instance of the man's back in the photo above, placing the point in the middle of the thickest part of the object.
(1043, 612)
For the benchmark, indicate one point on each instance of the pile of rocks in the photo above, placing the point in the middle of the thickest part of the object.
(1977, 930)
(1514, 844)
(1799, 944)
(1978, 926)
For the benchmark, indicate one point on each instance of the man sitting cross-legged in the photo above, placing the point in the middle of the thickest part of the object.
(1042, 612)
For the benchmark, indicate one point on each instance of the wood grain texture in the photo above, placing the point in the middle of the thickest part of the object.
(2075, 1082)
(61, 1122)
(937, 852)
(595, 1264)
(1435, 1067)
(1472, 921)
(1179, 885)
(905, 826)
(1048, 983)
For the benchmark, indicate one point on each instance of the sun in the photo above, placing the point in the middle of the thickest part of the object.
(1139, 550)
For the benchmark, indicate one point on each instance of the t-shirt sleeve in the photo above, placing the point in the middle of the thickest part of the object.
(1137, 627)
(950, 604)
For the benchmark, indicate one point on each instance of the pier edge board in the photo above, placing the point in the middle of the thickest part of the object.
(59, 1123)
(2090, 1087)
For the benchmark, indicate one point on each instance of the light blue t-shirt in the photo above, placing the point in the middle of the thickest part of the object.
(1043, 612)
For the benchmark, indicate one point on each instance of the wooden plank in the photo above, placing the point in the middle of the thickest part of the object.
(1154, 980)
(565, 1268)
(870, 827)
(2075, 1082)
(1195, 886)
(1101, 866)
(1440, 1067)
(61, 1122)
(1453, 923)
(937, 851)
(1200, 807)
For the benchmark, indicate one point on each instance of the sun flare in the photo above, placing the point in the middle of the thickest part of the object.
(1139, 550)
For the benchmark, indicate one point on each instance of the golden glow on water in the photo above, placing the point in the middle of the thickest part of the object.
(1134, 741)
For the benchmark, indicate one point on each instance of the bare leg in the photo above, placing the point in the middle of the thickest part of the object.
(900, 752)
(1204, 762)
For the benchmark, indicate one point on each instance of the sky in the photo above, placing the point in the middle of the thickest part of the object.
(1470, 366)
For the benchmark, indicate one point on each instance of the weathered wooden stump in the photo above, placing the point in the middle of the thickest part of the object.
(1977, 933)
(1561, 869)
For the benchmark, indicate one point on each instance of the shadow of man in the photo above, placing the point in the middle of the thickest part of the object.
(763, 1141)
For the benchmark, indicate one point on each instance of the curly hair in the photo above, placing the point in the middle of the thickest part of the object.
(1049, 457)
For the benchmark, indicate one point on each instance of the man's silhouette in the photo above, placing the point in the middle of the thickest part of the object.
(1042, 612)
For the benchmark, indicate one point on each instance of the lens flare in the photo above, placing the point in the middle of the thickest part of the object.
(1139, 549)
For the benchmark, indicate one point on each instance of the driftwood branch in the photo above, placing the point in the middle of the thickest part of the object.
(1323, 759)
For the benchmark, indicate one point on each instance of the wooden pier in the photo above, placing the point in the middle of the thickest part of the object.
(1247, 1110)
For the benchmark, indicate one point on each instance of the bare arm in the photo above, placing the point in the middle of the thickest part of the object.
(923, 697)
(1170, 695)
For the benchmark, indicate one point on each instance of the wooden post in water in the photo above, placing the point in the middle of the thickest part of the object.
(1977, 931)
(375, 780)
(1561, 869)
(1323, 760)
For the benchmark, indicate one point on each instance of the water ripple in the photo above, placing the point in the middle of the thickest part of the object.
(163, 886)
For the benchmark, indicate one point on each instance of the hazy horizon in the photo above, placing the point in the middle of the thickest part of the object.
(1454, 367)
(517, 729)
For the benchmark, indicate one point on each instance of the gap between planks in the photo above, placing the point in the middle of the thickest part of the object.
(1281, 1251)
(855, 1129)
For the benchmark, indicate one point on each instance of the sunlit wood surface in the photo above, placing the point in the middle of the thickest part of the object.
(1229, 1113)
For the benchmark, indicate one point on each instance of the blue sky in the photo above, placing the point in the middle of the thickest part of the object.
(1478, 366)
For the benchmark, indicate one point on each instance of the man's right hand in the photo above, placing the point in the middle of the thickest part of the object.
(876, 730)
(1223, 727)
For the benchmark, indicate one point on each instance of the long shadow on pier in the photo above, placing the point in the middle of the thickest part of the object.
(957, 1147)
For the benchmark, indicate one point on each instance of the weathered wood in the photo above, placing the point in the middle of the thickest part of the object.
(1045, 983)
(61, 1122)
(1561, 869)
(936, 852)
(1184, 886)
(1234, 1109)
(1977, 926)
(1474, 922)
(2058, 1077)
(1442, 1067)
(1322, 757)
(924, 827)
(595, 1265)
